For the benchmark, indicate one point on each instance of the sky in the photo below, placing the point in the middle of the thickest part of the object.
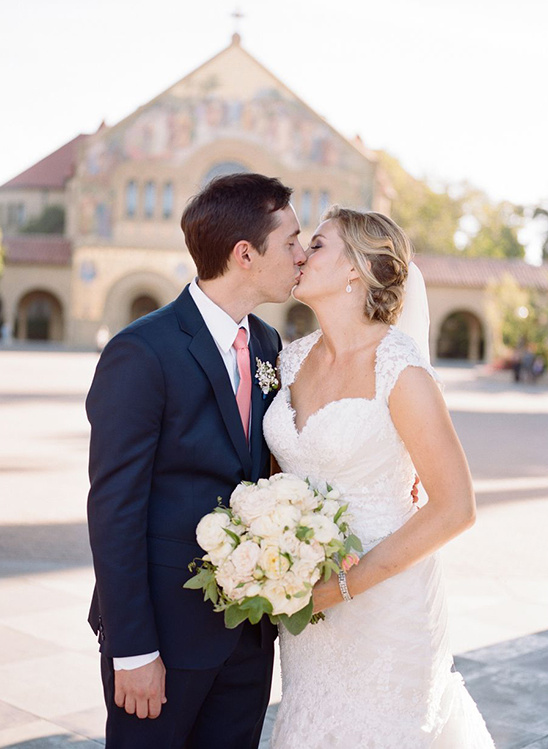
(455, 89)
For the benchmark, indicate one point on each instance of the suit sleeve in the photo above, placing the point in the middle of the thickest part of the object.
(124, 407)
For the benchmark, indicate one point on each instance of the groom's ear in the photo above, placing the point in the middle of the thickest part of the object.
(243, 254)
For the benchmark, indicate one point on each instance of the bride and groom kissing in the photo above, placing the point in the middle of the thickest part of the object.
(178, 420)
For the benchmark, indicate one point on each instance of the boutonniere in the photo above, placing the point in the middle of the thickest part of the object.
(266, 377)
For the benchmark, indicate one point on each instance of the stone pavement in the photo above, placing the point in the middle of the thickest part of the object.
(497, 574)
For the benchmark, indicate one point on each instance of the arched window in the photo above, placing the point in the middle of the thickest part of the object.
(167, 200)
(222, 169)
(131, 198)
(306, 208)
(325, 202)
(142, 305)
(150, 199)
(39, 317)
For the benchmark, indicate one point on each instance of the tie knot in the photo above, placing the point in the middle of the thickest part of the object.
(240, 341)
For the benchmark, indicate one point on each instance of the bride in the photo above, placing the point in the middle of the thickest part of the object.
(360, 409)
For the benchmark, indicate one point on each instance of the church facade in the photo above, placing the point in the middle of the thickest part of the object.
(123, 189)
(123, 253)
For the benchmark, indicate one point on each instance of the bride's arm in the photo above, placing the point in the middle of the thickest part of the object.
(423, 423)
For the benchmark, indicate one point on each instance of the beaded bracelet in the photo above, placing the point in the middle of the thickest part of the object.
(343, 586)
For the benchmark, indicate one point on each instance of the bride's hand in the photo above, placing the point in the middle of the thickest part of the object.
(326, 595)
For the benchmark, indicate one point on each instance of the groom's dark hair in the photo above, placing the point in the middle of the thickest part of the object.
(228, 210)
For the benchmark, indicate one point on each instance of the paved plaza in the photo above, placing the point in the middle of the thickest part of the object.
(497, 573)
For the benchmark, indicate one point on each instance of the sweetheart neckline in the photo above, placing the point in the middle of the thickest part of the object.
(318, 410)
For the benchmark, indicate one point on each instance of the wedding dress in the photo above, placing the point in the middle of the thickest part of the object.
(377, 673)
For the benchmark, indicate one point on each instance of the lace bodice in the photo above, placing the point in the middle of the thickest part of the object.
(351, 443)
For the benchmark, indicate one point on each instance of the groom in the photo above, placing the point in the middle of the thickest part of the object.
(176, 418)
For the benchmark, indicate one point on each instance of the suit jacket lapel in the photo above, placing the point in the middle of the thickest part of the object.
(259, 404)
(205, 351)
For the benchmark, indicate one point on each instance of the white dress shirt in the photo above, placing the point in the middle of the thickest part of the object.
(223, 330)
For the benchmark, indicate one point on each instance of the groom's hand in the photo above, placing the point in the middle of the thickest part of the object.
(141, 691)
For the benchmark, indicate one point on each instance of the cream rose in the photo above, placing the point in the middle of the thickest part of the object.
(210, 531)
(324, 528)
(245, 558)
(274, 564)
(251, 502)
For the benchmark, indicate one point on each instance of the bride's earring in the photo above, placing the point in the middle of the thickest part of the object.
(348, 287)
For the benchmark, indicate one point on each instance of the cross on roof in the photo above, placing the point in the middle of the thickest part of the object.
(237, 15)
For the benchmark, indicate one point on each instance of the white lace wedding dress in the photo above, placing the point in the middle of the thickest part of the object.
(376, 674)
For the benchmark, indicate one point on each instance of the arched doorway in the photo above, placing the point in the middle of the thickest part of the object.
(300, 321)
(39, 317)
(142, 305)
(461, 337)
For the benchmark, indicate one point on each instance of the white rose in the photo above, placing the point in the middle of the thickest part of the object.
(227, 578)
(324, 528)
(290, 489)
(250, 502)
(274, 524)
(248, 590)
(220, 553)
(266, 526)
(274, 564)
(330, 508)
(304, 571)
(276, 593)
(210, 531)
(293, 583)
(245, 558)
(312, 553)
(289, 543)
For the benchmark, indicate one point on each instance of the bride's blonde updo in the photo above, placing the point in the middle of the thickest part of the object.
(380, 252)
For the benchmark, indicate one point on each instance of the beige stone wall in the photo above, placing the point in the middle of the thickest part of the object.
(107, 280)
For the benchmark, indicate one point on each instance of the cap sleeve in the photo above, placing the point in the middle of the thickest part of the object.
(397, 352)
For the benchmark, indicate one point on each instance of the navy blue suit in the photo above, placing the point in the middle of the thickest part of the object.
(166, 441)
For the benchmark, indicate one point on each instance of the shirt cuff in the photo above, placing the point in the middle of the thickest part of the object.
(134, 661)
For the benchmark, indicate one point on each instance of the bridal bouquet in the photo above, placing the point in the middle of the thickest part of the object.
(267, 550)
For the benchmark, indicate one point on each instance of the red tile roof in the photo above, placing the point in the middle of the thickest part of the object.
(53, 171)
(477, 272)
(37, 249)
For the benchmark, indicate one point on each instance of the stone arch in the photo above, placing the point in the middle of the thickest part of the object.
(121, 299)
(461, 336)
(40, 317)
(223, 168)
(299, 321)
(142, 305)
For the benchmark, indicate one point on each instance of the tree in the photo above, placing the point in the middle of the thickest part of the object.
(543, 212)
(458, 219)
(496, 226)
(517, 317)
(50, 221)
(431, 219)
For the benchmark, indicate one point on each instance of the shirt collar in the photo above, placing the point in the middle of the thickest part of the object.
(221, 326)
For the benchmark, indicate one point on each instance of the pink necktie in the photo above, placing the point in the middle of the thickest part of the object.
(243, 394)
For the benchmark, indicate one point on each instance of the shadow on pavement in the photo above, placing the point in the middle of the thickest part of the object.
(26, 549)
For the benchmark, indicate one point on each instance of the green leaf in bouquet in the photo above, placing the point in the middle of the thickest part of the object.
(256, 607)
(330, 566)
(353, 542)
(342, 508)
(234, 615)
(201, 579)
(223, 509)
(303, 533)
(298, 621)
(211, 592)
(233, 536)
